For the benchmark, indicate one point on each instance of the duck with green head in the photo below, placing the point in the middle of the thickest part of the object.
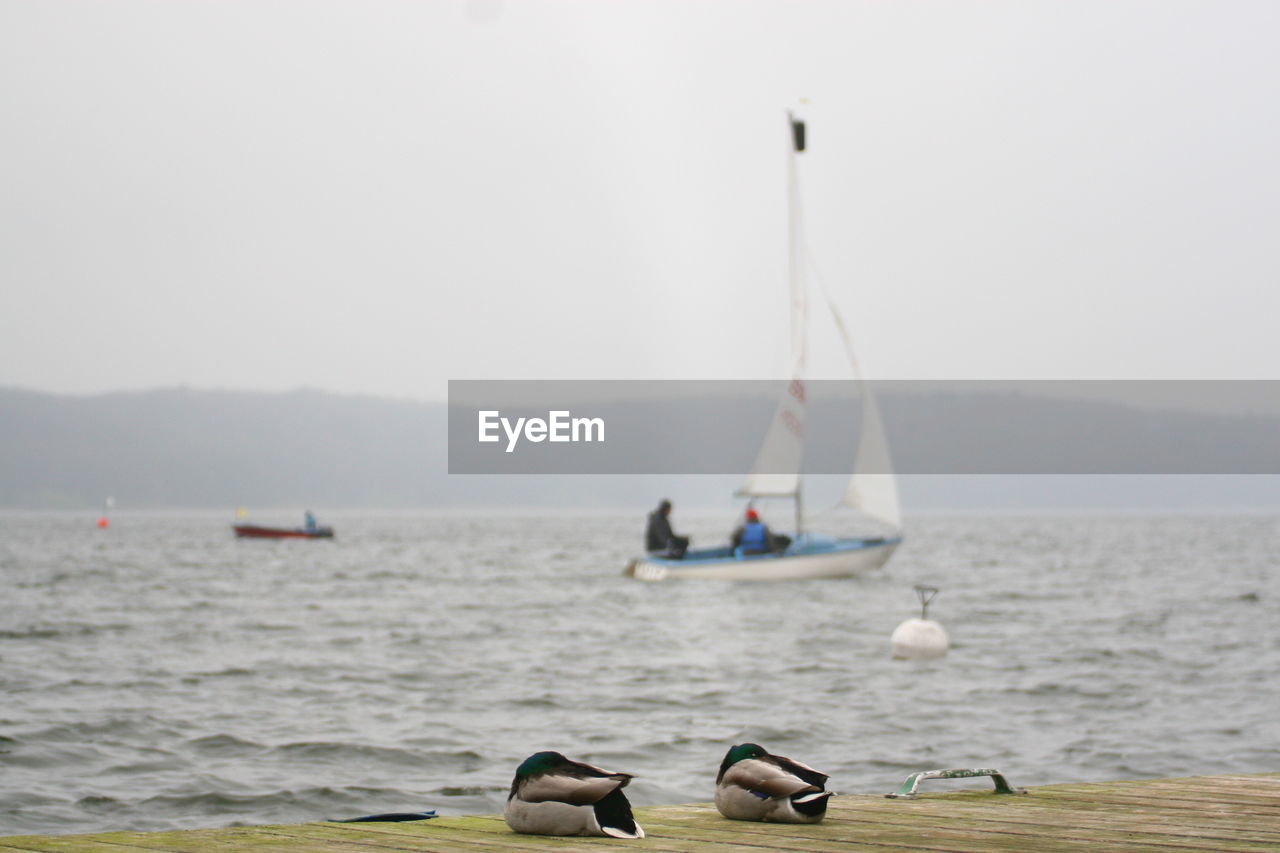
(554, 795)
(754, 785)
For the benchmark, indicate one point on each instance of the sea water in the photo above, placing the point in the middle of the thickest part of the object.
(162, 674)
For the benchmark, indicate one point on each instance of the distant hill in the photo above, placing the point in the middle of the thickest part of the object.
(213, 449)
(217, 448)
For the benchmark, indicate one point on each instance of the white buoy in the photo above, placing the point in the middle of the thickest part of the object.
(923, 638)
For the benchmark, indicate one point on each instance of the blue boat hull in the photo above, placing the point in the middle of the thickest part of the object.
(809, 556)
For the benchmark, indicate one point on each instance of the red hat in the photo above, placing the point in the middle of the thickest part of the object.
(752, 515)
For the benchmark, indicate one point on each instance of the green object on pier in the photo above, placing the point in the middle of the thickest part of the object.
(908, 789)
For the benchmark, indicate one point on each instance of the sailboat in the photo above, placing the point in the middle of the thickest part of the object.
(872, 488)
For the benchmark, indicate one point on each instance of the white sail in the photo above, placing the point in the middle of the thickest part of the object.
(873, 488)
(777, 468)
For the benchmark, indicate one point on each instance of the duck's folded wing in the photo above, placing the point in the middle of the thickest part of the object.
(804, 771)
(761, 777)
(567, 789)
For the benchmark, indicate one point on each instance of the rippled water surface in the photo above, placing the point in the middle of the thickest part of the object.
(162, 674)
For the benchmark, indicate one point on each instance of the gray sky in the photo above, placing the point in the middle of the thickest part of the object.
(380, 196)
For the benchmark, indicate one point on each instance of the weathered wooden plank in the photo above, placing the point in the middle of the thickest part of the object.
(1061, 823)
(905, 830)
(491, 832)
(1265, 793)
(710, 828)
(992, 835)
(1172, 799)
(247, 839)
(498, 829)
(480, 832)
(1269, 779)
(1175, 796)
(112, 842)
(1198, 824)
(441, 838)
(1065, 799)
(1156, 799)
(702, 828)
(1051, 813)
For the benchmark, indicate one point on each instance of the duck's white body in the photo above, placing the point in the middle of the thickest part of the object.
(554, 818)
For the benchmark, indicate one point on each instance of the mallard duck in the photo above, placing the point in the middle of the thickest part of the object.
(554, 795)
(754, 785)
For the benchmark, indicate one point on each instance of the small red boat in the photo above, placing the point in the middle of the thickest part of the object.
(255, 531)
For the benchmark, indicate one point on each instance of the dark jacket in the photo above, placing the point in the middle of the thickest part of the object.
(658, 536)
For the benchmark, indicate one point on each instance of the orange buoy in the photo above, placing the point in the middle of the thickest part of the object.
(103, 523)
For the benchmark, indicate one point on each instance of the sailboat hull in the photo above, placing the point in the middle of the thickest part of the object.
(808, 559)
(254, 531)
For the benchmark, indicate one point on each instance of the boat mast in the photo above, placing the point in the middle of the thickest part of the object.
(799, 513)
(799, 307)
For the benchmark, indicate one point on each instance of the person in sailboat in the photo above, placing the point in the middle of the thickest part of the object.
(309, 520)
(753, 536)
(659, 539)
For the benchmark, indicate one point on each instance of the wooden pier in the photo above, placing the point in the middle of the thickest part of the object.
(1216, 813)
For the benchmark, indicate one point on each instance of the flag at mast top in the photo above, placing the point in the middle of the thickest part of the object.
(797, 128)
(797, 133)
